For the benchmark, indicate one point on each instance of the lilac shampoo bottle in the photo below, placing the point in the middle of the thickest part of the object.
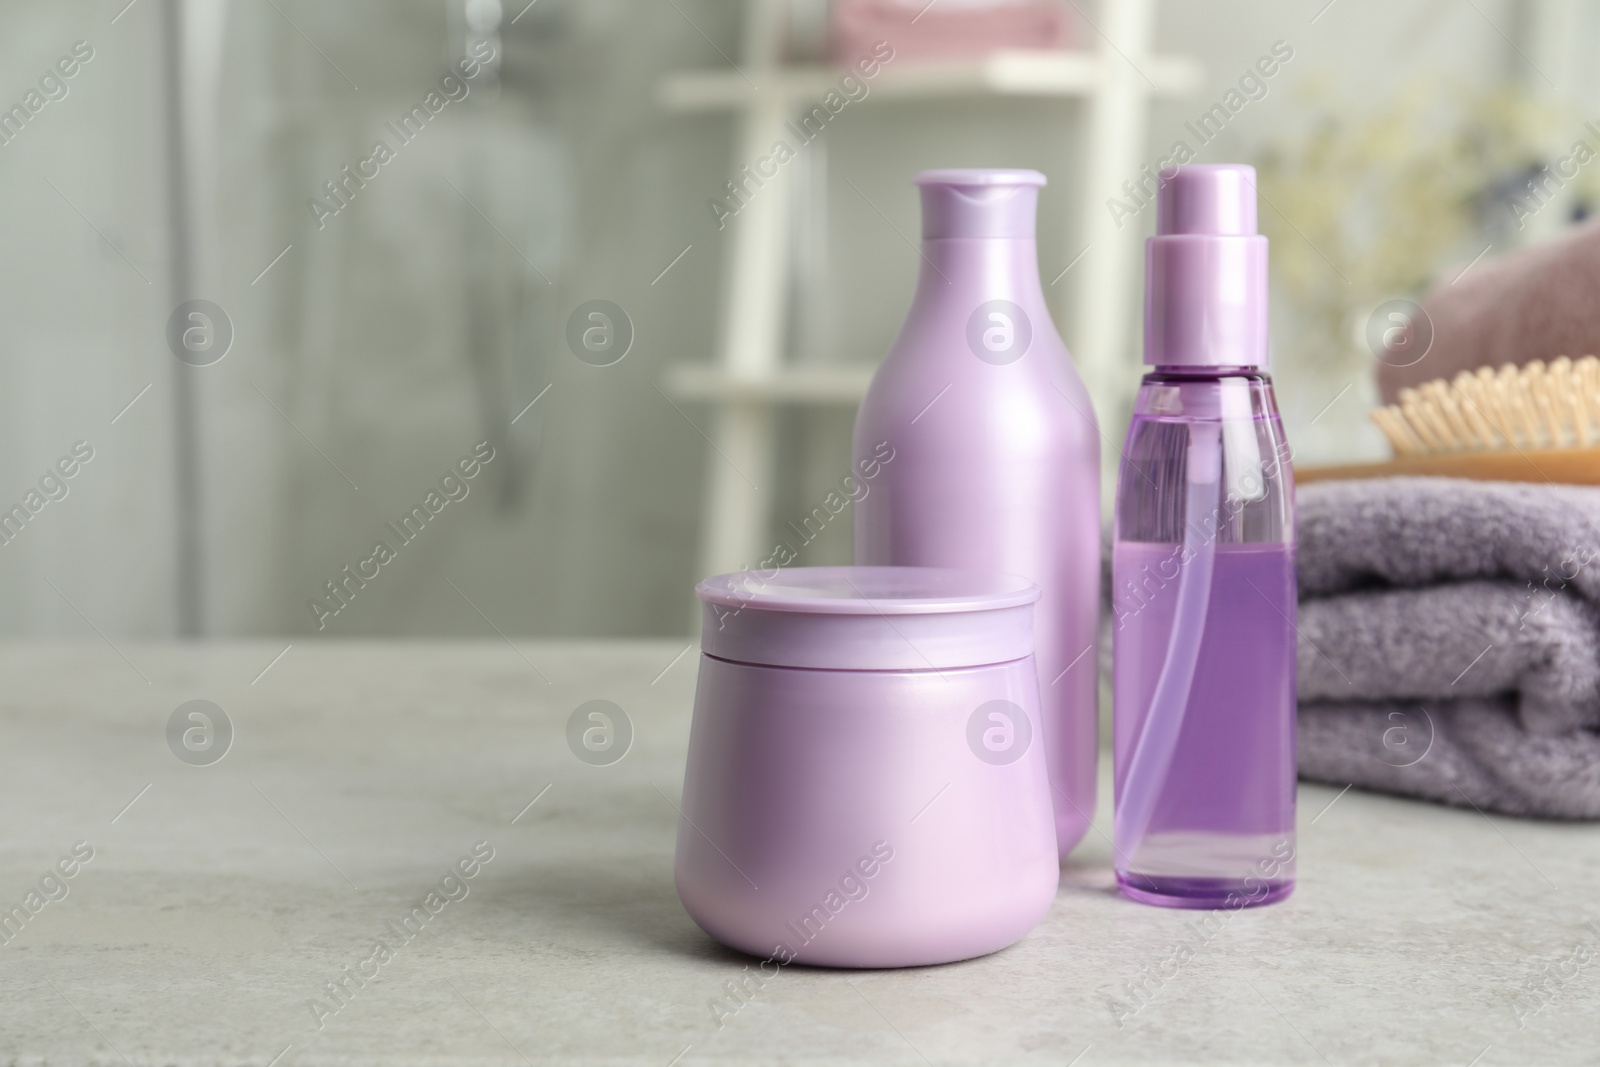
(1203, 583)
(996, 453)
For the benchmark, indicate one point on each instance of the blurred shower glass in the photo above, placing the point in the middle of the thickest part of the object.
(383, 327)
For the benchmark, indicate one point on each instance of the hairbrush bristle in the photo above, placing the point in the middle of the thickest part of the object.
(1537, 406)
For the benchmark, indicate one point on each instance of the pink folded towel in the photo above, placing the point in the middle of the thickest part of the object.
(950, 30)
(1537, 303)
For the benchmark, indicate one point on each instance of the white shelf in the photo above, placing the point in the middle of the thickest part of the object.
(1103, 88)
(790, 385)
(1016, 73)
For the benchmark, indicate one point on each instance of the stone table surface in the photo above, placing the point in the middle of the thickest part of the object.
(220, 899)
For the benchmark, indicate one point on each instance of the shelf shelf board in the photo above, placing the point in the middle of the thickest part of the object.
(1025, 73)
(791, 385)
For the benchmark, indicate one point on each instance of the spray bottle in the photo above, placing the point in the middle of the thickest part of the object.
(1203, 581)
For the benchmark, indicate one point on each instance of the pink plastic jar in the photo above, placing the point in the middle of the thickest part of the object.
(865, 785)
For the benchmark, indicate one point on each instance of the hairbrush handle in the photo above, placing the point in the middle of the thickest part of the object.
(1564, 466)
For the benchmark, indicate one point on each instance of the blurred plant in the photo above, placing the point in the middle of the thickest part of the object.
(1363, 210)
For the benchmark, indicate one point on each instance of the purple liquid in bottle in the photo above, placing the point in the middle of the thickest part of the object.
(1223, 817)
(1203, 585)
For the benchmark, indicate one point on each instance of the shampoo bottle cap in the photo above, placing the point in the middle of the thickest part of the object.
(979, 203)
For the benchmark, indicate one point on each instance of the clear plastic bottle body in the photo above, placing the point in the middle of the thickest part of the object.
(1203, 605)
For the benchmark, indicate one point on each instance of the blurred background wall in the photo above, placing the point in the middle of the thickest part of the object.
(373, 348)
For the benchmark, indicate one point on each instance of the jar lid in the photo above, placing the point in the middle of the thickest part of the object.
(868, 618)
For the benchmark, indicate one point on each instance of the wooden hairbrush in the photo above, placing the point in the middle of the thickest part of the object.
(1539, 422)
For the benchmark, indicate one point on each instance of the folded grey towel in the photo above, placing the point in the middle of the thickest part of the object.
(1450, 641)
(1456, 642)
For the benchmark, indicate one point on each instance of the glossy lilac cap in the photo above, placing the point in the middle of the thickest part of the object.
(979, 203)
(1206, 271)
(868, 618)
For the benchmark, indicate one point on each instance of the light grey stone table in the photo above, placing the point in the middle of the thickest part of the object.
(220, 899)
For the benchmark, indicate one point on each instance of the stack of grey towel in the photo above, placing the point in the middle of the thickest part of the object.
(1450, 641)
